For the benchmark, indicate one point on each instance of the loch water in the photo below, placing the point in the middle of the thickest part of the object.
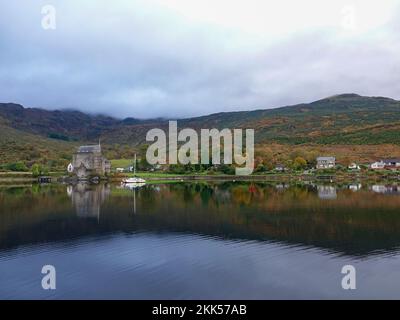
(200, 240)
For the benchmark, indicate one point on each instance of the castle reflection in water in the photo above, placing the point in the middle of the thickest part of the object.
(87, 199)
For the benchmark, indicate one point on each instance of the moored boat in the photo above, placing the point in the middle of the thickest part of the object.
(134, 179)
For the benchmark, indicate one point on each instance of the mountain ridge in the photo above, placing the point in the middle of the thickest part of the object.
(84, 126)
(345, 119)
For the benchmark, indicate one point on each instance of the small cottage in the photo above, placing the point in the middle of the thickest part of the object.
(326, 162)
(378, 165)
(280, 168)
(386, 164)
(391, 163)
(354, 166)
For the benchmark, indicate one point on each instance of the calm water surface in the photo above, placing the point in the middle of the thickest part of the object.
(200, 241)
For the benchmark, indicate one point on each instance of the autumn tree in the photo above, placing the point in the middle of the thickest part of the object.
(299, 163)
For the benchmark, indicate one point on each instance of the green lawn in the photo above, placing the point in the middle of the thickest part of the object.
(121, 163)
(154, 174)
(161, 174)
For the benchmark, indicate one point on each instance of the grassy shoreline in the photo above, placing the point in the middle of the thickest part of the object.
(12, 177)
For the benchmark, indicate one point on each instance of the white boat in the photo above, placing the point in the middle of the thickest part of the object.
(132, 186)
(134, 179)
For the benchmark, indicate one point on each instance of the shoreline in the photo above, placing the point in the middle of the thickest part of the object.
(341, 178)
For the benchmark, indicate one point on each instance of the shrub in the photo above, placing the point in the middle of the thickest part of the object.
(17, 166)
(39, 170)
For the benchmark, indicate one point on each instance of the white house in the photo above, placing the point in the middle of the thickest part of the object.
(391, 163)
(280, 168)
(326, 162)
(386, 164)
(354, 166)
(378, 165)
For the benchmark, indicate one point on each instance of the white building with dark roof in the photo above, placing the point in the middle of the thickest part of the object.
(377, 165)
(386, 164)
(326, 162)
(393, 163)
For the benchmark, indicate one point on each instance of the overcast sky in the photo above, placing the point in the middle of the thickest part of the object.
(180, 58)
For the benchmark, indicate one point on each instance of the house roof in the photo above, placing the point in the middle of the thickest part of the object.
(396, 160)
(87, 149)
(326, 159)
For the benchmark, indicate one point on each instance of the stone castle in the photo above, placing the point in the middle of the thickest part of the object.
(89, 162)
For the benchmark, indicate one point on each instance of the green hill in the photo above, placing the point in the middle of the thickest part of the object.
(31, 134)
(342, 119)
(16, 145)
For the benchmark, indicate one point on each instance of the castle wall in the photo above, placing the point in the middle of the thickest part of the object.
(90, 163)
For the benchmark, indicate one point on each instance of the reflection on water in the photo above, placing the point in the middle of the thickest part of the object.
(386, 189)
(355, 187)
(200, 240)
(87, 198)
(132, 187)
(327, 192)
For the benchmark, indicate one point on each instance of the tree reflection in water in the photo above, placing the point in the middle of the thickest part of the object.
(351, 219)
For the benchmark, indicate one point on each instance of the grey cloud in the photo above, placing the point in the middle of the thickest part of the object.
(104, 58)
